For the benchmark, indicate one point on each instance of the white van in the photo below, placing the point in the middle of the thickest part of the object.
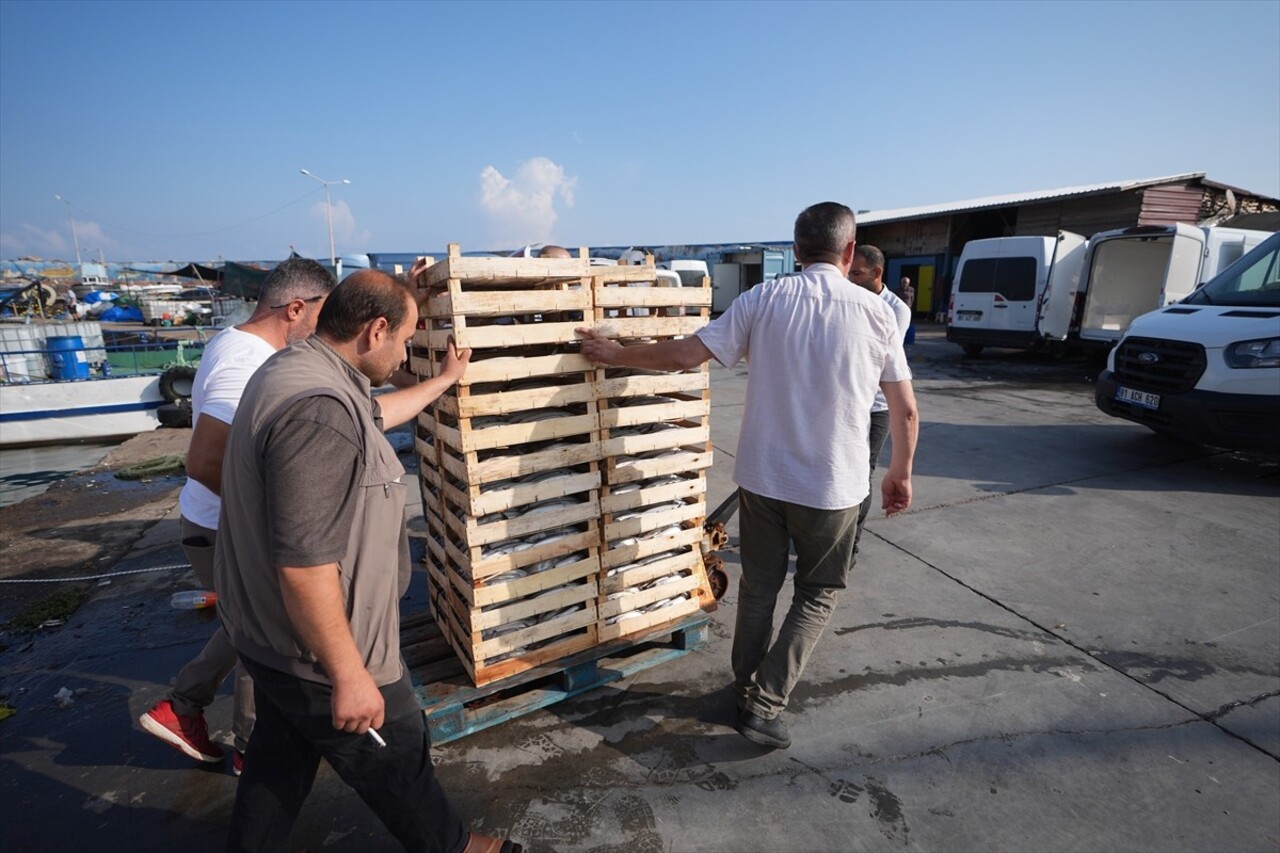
(1131, 271)
(1004, 285)
(1207, 369)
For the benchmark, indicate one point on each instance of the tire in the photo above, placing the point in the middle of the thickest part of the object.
(175, 414)
(972, 350)
(177, 383)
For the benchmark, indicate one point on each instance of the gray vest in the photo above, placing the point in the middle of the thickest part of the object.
(374, 573)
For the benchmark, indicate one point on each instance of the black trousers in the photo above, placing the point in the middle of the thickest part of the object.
(876, 437)
(295, 730)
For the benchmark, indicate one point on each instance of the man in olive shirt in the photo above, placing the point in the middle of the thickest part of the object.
(311, 562)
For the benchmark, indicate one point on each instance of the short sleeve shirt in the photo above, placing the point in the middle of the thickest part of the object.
(225, 367)
(903, 315)
(818, 346)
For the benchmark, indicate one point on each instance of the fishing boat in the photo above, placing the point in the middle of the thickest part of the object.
(68, 382)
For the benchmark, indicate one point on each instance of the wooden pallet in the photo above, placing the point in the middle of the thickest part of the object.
(454, 708)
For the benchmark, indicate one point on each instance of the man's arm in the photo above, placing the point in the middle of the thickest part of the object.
(313, 600)
(904, 426)
(681, 354)
(403, 405)
(204, 454)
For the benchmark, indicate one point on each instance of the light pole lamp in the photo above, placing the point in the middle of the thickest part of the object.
(74, 238)
(328, 209)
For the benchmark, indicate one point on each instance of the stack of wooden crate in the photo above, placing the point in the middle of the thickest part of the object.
(531, 483)
(656, 447)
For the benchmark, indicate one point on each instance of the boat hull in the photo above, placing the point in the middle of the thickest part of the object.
(89, 410)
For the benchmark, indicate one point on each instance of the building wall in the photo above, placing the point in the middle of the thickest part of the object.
(912, 237)
(1169, 204)
(1085, 216)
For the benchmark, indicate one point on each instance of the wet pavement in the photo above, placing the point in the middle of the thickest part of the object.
(1072, 642)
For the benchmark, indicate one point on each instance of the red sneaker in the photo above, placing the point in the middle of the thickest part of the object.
(187, 733)
(237, 762)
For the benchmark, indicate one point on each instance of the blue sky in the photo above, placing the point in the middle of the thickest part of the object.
(176, 130)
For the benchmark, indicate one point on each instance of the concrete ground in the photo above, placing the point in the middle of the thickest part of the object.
(1071, 642)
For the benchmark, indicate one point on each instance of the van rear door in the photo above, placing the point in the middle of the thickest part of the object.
(1131, 271)
(1058, 303)
(1185, 262)
(997, 293)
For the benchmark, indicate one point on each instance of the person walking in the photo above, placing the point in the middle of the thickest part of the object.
(288, 304)
(819, 346)
(866, 270)
(909, 297)
(311, 563)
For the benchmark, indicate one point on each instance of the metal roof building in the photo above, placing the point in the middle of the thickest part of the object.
(924, 243)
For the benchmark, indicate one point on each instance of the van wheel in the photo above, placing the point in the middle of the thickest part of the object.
(972, 350)
(177, 383)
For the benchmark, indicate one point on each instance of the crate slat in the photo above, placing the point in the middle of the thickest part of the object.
(648, 622)
(667, 439)
(686, 488)
(652, 297)
(676, 410)
(647, 469)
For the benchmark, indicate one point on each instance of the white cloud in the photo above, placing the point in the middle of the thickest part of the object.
(32, 240)
(523, 208)
(347, 234)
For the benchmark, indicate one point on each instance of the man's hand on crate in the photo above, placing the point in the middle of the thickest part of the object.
(599, 348)
(455, 363)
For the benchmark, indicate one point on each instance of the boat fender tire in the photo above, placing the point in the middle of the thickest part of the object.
(175, 414)
(177, 383)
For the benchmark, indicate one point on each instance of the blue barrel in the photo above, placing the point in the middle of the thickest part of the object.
(67, 359)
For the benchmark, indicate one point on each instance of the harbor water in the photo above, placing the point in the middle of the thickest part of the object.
(28, 471)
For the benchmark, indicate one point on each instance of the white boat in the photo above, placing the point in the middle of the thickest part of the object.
(60, 383)
(61, 412)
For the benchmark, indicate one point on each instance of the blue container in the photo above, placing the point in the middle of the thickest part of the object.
(67, 359)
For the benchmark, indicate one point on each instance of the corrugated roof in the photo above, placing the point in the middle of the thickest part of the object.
(874, 216)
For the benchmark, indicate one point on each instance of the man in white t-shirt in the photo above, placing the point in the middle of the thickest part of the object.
(866, 270)
(819, 346)
(288, 307)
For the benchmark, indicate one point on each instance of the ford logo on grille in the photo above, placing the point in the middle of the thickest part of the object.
(1149, 357)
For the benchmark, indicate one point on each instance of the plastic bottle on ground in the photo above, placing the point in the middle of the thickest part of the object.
(193, 599)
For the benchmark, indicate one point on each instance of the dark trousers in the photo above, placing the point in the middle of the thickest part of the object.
(878, 433)
(766, 670)
(295, 730)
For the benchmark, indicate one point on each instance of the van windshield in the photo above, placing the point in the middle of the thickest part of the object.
(1254, 280)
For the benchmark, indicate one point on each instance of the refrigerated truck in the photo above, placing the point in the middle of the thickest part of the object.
(1130, 271)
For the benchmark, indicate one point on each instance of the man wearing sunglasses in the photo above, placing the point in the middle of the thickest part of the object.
(289, 303)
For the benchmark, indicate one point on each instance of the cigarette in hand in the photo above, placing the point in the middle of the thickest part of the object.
(377, 738)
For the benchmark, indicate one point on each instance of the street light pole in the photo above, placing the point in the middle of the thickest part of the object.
(74, 238)
(328, 209)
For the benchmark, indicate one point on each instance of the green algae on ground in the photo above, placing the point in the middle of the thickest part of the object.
(59, 604)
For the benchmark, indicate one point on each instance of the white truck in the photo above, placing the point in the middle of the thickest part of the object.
(1131, 271)
(1015, 292)
(1206, 369)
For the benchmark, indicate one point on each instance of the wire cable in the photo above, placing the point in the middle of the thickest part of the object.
(98, 221)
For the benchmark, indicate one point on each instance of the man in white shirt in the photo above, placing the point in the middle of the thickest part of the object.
(288, 306)
(866, 271)
(819, 346)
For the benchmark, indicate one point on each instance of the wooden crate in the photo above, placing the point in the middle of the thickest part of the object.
(499, 473)
(655, 432)
(505, 473)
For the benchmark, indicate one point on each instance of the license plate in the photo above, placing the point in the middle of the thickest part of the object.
(1138, 398)
(969, 316)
